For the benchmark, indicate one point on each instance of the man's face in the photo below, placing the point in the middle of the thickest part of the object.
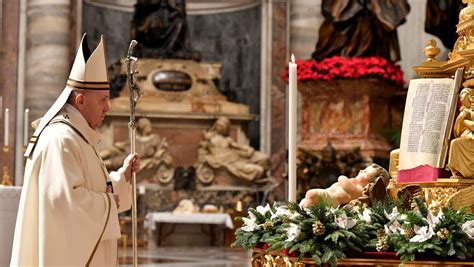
(94, 106)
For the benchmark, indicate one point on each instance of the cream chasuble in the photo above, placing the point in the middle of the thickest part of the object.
(65, 218)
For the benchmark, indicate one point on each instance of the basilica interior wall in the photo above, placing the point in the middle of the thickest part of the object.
(40, 36)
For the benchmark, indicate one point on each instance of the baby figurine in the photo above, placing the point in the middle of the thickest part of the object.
(346, 189)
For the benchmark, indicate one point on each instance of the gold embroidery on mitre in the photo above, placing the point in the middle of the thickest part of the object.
(81, 85)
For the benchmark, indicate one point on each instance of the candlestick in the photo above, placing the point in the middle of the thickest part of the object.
(25, 127)
(6, 180)
(5, 128)
(292, 130)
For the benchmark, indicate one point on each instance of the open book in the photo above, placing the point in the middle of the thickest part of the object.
(427, 125)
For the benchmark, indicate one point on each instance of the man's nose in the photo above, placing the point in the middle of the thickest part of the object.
(107, 106)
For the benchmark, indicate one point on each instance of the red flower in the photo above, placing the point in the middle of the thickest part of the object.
(348, 68)
(286, 252)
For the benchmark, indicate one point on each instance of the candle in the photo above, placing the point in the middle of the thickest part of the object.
(292, 130)
(5, 128)
(25, 127)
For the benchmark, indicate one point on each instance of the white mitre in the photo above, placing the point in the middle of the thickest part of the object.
(89, 72)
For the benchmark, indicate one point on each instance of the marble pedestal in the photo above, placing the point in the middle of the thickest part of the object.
(348, 113)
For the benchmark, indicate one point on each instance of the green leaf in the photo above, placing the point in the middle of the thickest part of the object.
(353, 247)
(295, 247)
(305, 246)
(451, 252)
(316, 259)
(276, 246)
(348, 234)
(461, 255)
(334, 236)
(327, 256)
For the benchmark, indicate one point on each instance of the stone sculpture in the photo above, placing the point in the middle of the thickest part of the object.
(160, 28)
(219, 151)
(361, 28)
(156, 162)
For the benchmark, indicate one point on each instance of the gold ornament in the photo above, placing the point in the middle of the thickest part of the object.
(442, 233)
(318, 228)
(267, 225)
(381, 233)
(409, 232)
(382, 244)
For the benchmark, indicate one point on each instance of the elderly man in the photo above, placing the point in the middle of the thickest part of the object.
(68, 213)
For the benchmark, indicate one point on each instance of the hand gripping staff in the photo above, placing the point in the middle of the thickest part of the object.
(132, 126)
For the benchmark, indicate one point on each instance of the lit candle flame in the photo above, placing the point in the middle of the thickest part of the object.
(292, 58)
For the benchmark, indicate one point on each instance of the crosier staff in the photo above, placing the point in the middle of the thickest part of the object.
(134, 92)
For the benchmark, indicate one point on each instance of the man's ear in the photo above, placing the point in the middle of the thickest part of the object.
(79, 101)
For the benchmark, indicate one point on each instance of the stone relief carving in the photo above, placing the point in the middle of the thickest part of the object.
(219, 151)
(156, 162)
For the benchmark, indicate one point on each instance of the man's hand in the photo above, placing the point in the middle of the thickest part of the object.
(131, 164)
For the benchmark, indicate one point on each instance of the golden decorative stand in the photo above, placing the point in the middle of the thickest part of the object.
(6, 173)
(457, 192)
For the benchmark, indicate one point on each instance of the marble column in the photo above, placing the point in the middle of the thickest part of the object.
(306, 18)
(46, 36)
(8, 75)
(280, 57)
(47, 56)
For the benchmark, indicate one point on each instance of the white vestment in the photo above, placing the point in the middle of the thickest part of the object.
(65, 216)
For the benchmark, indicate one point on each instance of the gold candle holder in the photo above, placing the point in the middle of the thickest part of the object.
(6, 173)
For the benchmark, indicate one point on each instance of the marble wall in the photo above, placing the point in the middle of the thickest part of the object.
(280, 57)
(231, 36)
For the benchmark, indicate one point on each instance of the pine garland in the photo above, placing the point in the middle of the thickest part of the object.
(425, 233)
(326, 234)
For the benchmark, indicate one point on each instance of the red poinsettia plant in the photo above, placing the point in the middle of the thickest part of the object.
(348, 68)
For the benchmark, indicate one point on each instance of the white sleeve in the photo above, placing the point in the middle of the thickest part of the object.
(123, 189)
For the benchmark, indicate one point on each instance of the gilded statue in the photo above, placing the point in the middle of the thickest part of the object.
(467, 13)
(360, 188)
(461, 153)
(219, 151)
(156, 162)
